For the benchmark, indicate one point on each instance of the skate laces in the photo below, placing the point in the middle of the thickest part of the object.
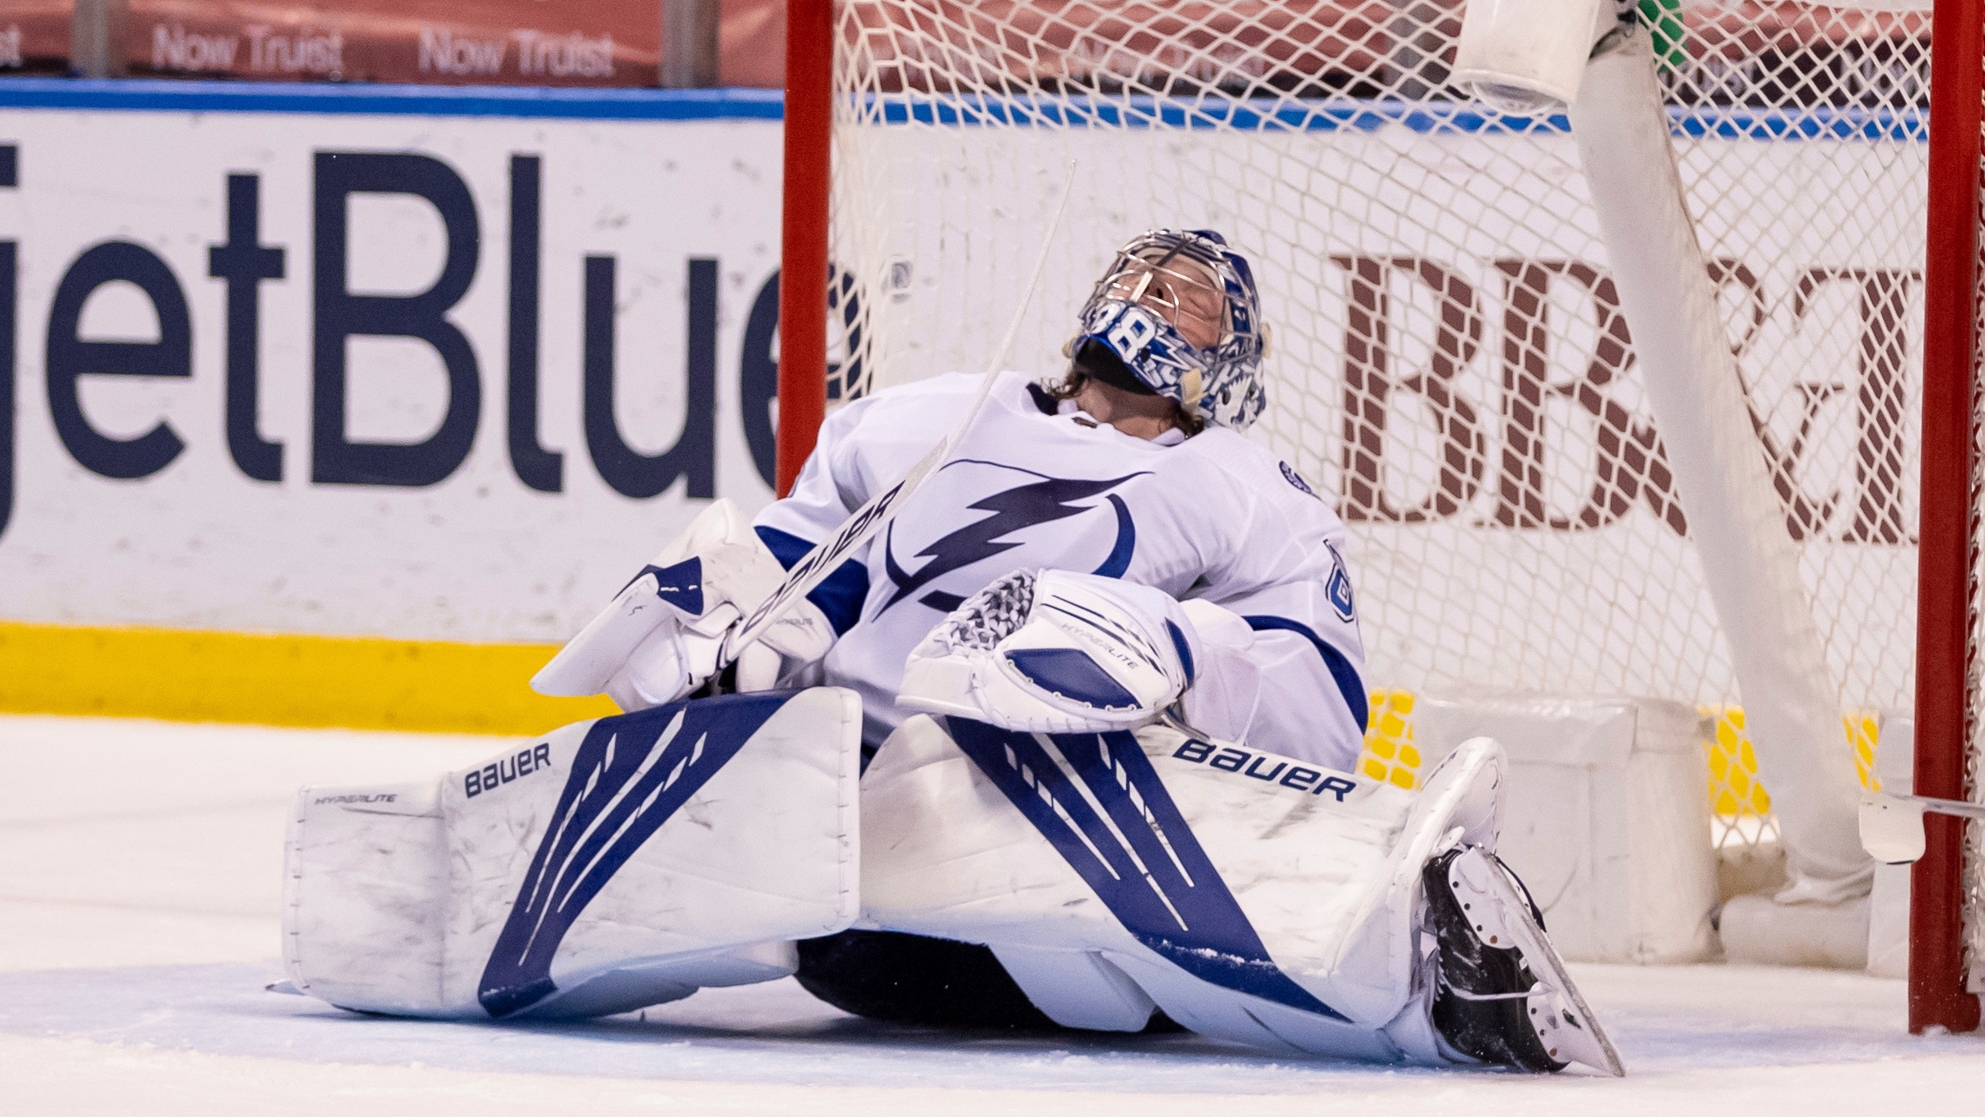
(1441, 981)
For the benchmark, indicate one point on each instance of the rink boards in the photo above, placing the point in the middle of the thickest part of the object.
(453, 434)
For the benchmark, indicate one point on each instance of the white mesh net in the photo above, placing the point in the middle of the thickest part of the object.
(1449, 359)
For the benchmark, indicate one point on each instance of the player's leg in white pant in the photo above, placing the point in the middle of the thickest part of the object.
(1246, 895)
(609, 865)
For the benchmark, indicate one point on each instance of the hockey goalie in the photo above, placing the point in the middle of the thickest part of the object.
(1069, 743)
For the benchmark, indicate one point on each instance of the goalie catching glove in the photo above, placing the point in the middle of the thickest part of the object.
(659, 638)
(1059, 652)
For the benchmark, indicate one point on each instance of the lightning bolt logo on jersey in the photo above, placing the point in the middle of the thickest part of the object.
(1032, 486)
(1010, 512)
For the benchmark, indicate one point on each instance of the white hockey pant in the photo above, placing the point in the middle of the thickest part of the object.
(609, 865)
(1249, 896)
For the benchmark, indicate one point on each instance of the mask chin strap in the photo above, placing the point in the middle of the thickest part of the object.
(1095, 359)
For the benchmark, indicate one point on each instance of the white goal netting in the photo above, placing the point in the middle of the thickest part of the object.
(1450, 364)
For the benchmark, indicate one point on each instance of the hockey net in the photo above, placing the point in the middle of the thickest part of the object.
(1449, 358)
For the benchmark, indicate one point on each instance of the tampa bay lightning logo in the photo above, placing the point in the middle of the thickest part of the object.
(1022, 506)
(1290, 475)
(1338, 589)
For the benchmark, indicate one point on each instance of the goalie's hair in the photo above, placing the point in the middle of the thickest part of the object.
(1069, 385)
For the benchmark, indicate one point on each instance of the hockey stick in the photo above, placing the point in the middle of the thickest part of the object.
(814, 566)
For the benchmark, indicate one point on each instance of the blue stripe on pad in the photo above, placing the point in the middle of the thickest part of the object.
(1156, 878)
(617, 794)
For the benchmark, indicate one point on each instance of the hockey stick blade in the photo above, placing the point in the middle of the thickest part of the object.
(1892, 824)
(814, 566)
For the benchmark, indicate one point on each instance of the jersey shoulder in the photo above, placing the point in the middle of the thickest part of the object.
(929, 400)
(1265, 476)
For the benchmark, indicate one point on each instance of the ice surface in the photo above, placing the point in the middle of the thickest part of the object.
(139, 907)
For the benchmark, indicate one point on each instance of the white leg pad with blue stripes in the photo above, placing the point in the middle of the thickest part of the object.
(1249, 896)
(606, 866)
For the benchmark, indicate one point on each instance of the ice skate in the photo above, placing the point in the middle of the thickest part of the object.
(1490, 1002)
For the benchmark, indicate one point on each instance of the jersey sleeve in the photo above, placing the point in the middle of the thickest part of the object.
(1288, 579)
(830, 487)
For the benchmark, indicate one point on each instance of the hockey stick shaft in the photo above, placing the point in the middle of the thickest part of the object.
(814, 566)
(1957, 807)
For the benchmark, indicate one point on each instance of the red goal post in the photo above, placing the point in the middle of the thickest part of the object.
(809, 141)
(979, 66)
(1948, 653)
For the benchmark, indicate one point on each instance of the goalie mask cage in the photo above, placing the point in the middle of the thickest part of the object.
(1449, 361)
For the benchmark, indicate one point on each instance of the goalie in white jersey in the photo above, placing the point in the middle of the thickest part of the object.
(1110, 696)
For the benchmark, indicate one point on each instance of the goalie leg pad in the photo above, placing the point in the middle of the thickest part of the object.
(1078, 988)
(1220, 884)
(610, 865)
(1248, 896)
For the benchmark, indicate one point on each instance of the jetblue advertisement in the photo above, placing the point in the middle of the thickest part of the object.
(422, 377)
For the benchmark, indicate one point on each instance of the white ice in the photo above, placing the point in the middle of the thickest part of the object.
(138, 929)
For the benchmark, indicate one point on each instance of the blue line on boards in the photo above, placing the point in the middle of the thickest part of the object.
(1082, 110)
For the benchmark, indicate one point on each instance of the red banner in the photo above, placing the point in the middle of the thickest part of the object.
(752, 44)
(1340, 44)
(454, 42)
(34, 36)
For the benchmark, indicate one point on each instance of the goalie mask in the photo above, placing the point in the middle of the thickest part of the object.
(1177, 315)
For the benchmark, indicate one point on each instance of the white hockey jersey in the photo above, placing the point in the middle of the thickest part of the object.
(1040, 486)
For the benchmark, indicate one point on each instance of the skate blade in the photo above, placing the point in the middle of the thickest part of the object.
(1562, 1019)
